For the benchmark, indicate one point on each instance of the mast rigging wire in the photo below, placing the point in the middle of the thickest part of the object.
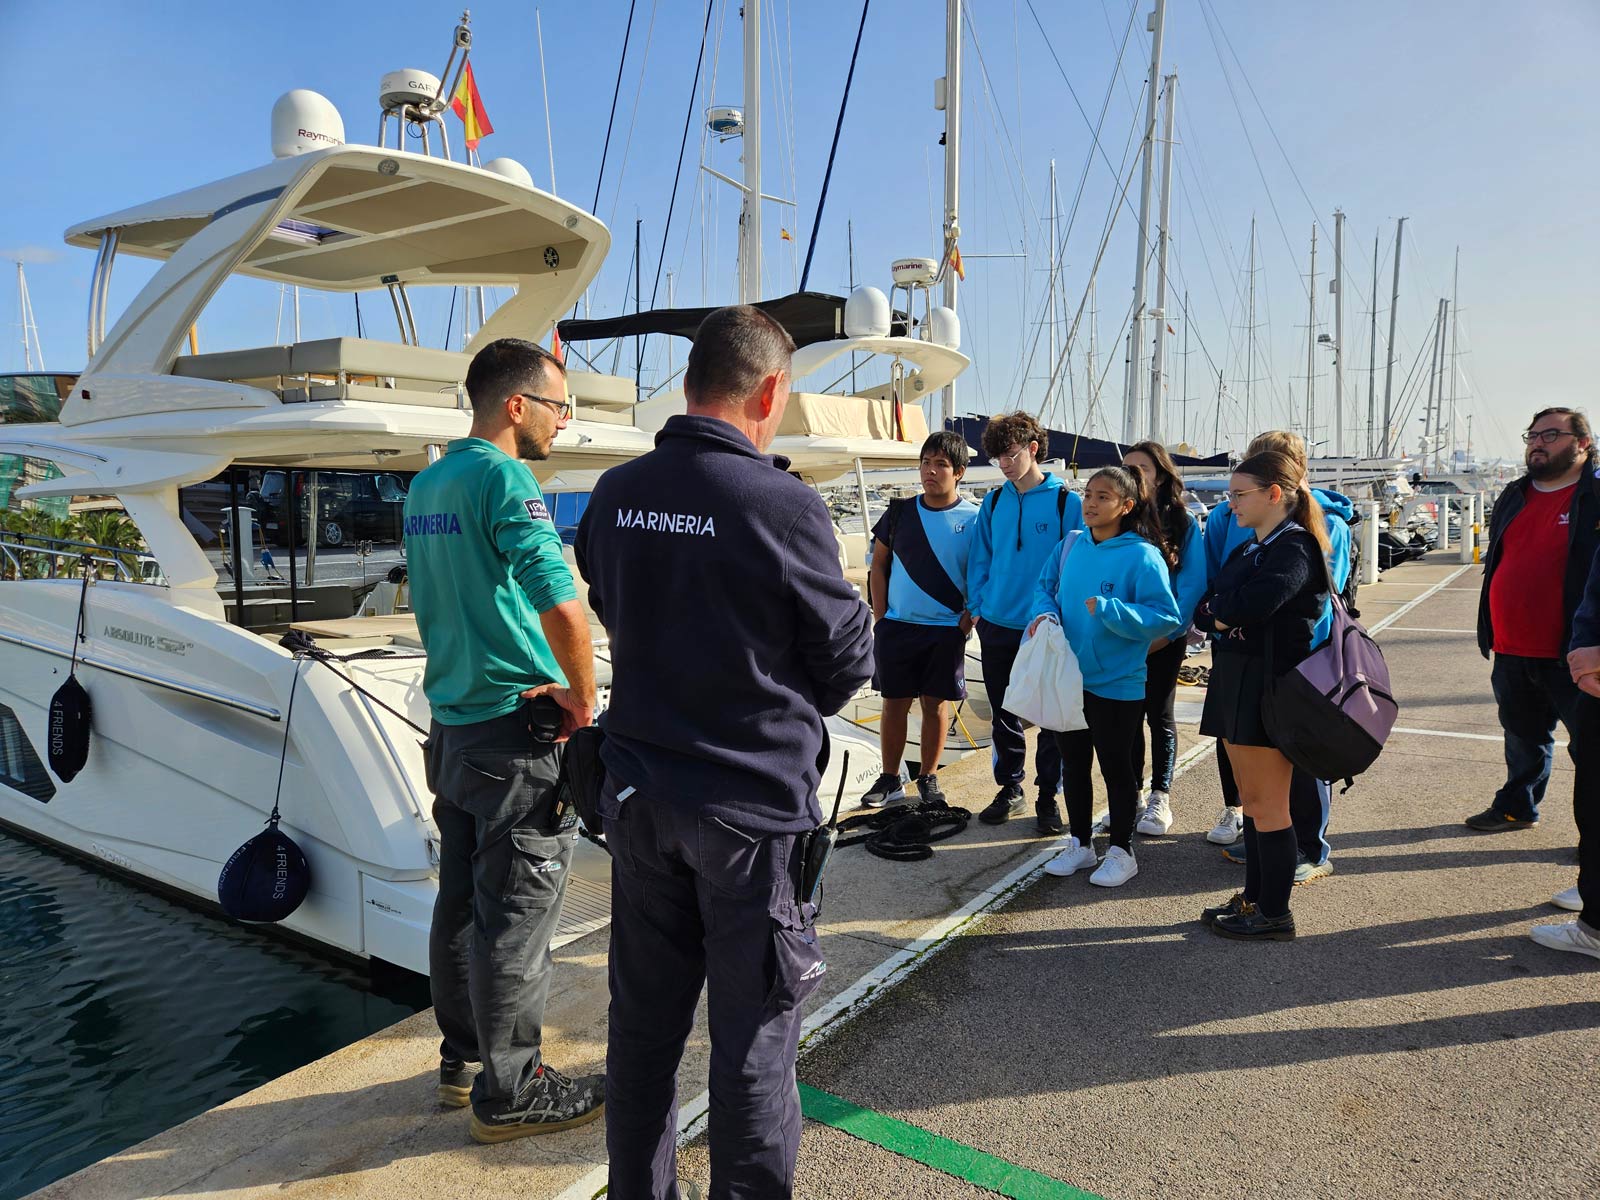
(683, 143)
(833, 150)
(616, 92)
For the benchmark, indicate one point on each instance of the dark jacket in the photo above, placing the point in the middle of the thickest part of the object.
(733, 631)
(1276, 586)
(1586, 621)
(1583, 539)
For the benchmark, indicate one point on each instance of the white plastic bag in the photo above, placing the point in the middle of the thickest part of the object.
(1046, 685)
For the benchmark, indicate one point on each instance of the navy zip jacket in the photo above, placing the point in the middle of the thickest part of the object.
(733, 631)
(1586, 621)
(1276, 585)
(1583, 542)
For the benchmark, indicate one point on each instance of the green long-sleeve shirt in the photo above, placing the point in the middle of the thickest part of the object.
(484, 560)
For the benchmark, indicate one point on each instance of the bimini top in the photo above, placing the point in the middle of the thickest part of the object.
(808, 316)
(351, 218)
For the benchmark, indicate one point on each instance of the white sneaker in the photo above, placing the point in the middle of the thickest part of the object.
(1569, 899)
(1567, 936)
(1157, 816)
(1229, 827)
(1119, 867)
(1072, 859)
(1102, 820)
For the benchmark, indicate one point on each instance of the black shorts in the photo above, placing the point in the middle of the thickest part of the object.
(919, 660)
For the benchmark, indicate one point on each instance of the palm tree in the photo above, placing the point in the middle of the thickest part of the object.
(110, 528)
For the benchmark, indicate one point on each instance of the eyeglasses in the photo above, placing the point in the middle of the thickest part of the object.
(1008, 459)
(1233, 497)
(1547, 436)
(563, 407)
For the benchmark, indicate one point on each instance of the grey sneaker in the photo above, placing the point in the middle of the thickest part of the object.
(455, 1082)
(888, 790)
(928, 789)
(549, 1104)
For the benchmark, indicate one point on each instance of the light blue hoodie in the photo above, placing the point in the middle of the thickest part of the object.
(1191, 579)
(1223, 536)
(1016, 533)
(1134, 606)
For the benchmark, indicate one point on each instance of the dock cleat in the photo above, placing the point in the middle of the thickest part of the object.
(550, 1103)
(455, 1082)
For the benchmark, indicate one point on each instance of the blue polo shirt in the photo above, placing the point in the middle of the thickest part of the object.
(928, 572)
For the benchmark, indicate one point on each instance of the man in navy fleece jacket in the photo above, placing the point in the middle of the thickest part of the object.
(733, 633)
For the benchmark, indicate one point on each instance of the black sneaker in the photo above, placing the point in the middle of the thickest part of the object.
(888, 790)
(455, 1082)
(1047, 816)
(1007, 803)
(928, 789)
(551, 1103)
(1235, 906)
(1491, 820)
(1255, 926)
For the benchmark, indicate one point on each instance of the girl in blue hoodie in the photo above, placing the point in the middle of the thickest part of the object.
(1110, 592)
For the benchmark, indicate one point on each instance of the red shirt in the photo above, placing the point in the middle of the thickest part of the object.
(1525, 595)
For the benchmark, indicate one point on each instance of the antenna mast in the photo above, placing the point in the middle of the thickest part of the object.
(750, 205)
(1311, 352)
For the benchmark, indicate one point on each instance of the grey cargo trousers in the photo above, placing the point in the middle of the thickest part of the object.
(503, 861)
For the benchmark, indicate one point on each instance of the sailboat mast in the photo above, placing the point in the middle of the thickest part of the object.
(1388, 371)
(952, 170)
(1051, 294)
(1133, 398)
(1372, 357)
(30, 326)
(1093, 388)
(1156, 430)
(1250, 333)
(1455, 325)
(1338, 343)
(750, 207)
(1311, 353)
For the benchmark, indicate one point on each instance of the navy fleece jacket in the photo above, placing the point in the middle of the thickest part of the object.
(733, 631)
(1223, 536)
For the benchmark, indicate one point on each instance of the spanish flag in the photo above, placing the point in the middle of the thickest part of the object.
(468, 105)
(955, 262)
(555, 345)
(785, 235)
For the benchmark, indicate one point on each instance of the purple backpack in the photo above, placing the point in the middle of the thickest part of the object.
(1332, 713)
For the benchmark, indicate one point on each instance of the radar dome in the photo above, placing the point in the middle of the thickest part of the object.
(867, 314)
(914, 272)
(410, 86)
(303, 121)
(511, 169)
(944, 327)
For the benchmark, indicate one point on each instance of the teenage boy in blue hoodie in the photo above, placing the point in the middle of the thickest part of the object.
(1309, 799)
(919, 578)
(1019, 524)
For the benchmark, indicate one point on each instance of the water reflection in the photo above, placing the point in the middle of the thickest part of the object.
(123, 1014)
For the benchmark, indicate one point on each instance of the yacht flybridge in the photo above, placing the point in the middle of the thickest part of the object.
(191, 709)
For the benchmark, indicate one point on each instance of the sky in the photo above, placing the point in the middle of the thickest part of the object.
(1468, 118)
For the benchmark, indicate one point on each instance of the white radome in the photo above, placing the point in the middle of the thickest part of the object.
(303, 121)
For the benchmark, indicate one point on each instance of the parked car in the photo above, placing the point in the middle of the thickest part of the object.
(351, 506)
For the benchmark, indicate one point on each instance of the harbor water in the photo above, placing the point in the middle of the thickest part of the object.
(123, 1013)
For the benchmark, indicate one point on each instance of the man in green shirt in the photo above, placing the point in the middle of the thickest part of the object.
(510, 673)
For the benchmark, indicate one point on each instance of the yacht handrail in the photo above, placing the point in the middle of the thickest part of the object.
(57, 548)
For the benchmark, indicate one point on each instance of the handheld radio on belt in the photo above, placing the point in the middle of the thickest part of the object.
(819, 843)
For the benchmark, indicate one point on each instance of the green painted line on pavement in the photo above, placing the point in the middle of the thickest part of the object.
(940, 1153)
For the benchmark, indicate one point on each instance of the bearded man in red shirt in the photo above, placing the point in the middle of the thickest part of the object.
(1543, 535)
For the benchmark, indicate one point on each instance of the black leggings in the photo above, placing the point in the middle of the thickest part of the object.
(1115, 730)
(1160, 691)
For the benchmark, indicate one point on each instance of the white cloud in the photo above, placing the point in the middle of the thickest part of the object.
(30, 254)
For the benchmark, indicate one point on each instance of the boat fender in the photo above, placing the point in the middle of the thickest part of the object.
(71, 712)
(268, 877)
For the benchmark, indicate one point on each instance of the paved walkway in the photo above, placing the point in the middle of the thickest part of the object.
(1412, 1042)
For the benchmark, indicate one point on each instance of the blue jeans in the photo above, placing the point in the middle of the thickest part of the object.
(1532, 694)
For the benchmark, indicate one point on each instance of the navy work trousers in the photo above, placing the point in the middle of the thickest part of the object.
(696, 902)
(998, 648)
(1532, 694)
(1585, 750)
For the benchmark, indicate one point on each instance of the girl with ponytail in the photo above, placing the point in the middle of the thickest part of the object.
(1186, 568)
(1108, 589)
(1269, 592)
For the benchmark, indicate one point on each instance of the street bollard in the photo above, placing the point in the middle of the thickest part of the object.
(1469, 528)
(1444, 523)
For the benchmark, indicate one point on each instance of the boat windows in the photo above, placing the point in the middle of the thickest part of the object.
(20, 765)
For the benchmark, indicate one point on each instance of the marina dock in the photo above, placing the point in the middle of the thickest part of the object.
(1413, 1041)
